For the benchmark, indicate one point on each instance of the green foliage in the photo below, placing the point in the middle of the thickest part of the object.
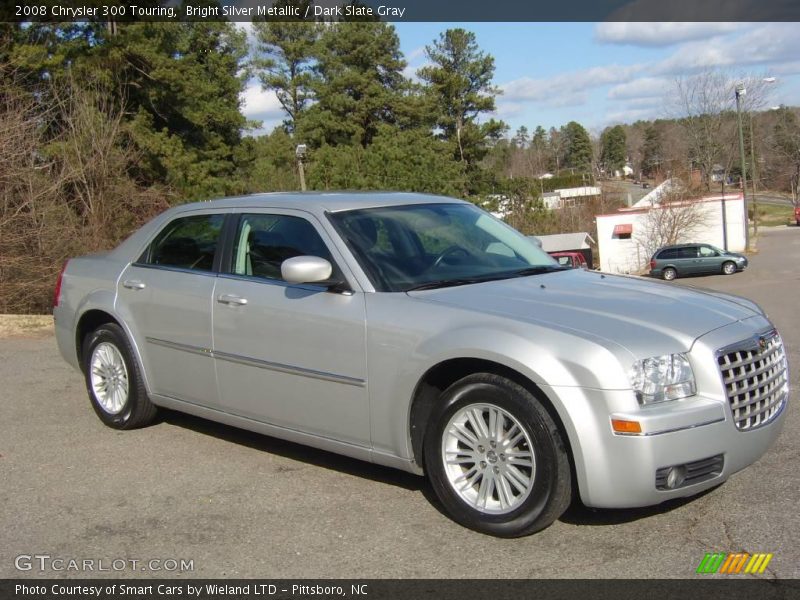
(565, 180)
(285, 56)
(578, 147)
(358, 84)
(267, 164)
(652, 150)
(613, 151)
(459, 79)
(403, 160)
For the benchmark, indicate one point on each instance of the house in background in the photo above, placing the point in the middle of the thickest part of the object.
(566, 197)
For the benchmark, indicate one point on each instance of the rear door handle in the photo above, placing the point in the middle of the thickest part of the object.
(231, 299)
(133, 284)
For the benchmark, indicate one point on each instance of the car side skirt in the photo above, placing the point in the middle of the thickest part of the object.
(292, 435)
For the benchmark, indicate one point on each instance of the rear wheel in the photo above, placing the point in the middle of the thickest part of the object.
(496, 459)
(669, 274)
(729, 268)
(114, 380)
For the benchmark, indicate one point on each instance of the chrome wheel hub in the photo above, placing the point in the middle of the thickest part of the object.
(488, 458)
(109, 378)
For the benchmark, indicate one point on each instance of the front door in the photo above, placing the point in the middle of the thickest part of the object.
(289, 355)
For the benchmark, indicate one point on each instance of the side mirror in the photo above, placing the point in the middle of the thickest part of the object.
(306, 269)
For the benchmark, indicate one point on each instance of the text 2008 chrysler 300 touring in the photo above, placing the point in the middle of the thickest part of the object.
(421, 333)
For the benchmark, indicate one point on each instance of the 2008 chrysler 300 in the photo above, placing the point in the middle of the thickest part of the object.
(421, 333)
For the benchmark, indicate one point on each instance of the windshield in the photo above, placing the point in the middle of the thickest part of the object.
(435, 245)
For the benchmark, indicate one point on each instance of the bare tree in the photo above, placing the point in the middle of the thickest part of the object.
(705, 105)
(65, 186)
(677, 219)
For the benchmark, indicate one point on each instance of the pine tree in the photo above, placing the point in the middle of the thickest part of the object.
(579, 146)
(459, 79)
(284, 61)
(613, 152)
(358, 84)
(652, 150)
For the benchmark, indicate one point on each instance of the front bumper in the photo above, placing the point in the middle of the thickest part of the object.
(620, 471)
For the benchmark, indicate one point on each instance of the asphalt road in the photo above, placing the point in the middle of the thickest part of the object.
(242, 505)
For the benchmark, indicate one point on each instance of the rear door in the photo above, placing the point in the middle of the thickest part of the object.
(687, 261)
(165, 297)
(286, 354)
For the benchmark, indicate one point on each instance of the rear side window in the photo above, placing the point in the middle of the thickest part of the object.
(187, 243)
(667, 254)
(690, 252)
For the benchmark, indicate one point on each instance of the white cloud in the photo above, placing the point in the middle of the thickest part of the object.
(260, 104)
(565, 89)
(630, 115)
(659, 34)
(770, 43)
(416, 53)
(645, 87)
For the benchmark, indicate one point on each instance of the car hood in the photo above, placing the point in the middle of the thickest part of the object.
(645, 317)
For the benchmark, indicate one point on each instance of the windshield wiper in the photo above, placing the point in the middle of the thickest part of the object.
(442, 283)
(537, 270)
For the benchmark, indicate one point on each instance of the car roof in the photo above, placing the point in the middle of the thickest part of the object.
(321, 201)
(681, 246)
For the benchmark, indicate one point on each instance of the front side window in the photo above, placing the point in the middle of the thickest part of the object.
(433, 245)
(264, 241)
(187, 243)
(707, 251)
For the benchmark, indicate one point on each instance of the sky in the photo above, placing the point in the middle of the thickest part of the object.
(599, 74)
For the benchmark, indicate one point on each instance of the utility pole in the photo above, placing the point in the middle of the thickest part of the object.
(753, 176)
(741, 91)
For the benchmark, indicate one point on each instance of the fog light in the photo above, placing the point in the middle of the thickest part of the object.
(675, 477)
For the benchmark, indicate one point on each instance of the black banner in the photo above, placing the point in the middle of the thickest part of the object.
(405, 10)
(732, 588)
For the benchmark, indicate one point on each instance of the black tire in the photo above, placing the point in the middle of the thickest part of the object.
(728, 268)
(137, 410)
(669, 274)
(550, 490)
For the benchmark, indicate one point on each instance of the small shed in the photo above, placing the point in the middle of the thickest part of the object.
(568, 242)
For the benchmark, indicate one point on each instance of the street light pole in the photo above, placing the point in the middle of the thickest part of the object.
(754, 175)
(741, 91)
(300, 154)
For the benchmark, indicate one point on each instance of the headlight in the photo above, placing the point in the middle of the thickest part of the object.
(662, 378)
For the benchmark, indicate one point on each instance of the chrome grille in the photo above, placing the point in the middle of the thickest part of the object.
(756, 379)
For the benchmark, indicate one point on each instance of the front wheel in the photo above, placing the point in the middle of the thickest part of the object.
(114, 380)
(496, 458)
(729, 268)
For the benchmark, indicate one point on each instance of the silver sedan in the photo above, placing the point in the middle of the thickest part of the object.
(421, 333)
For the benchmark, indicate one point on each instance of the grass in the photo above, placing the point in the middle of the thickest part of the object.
(770, 215)
(25, 325)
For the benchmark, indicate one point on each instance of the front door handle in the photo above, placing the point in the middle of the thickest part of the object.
(231, 299)
(133, 284)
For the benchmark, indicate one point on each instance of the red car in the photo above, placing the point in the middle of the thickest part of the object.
(573, 260)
